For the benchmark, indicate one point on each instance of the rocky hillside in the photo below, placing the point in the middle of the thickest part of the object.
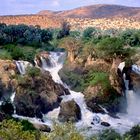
(99, 16)
(97, 11)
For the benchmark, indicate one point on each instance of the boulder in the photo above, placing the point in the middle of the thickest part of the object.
(2, 116)
(42, 127)
(69, 111)
(106, 124)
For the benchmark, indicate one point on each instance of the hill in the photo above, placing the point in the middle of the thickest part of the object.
(97, 11)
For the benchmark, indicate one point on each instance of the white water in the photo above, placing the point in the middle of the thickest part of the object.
(121, 125)
(136, 69)
(22, 66)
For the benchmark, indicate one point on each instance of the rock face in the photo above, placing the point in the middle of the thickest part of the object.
(38, 95)
(69, 111)
(2, 116)
(7, 71)
(44, 55)
(42, 127)
(115, 77)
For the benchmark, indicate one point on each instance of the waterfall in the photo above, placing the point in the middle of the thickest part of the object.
(22, 65)
(56, 60)
(133, 99)
(121, 125)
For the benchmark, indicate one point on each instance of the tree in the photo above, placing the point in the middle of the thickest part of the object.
(65, 31)
(46, 35)
(110, 48)
(91, 32)
(72, 45)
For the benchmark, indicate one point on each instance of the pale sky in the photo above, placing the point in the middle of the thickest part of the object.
(14, 7)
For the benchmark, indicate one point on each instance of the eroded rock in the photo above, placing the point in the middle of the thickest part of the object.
(69, 111)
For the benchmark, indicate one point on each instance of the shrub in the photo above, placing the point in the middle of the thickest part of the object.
(5, 55)
(12, 130)
(109, 134)
(95, 78)
(65, 131)
(134, 133)
(33, 71)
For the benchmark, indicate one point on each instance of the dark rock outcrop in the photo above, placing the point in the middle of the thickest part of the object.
(106, 124)
(69, 111)
(38, 95)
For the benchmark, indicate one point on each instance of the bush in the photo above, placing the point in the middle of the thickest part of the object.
(134, 133)
(89, 33)
(109, 134)
(12, 130)
(17, 54)
(65, 131)
(95, 78)
(4, 55)
(33, 71)
(109, 48)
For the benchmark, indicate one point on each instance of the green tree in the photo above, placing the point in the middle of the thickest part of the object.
(12, 130)
(110, 48)
(65, 30)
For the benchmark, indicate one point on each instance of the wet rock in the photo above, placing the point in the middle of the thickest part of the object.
(96, 119)
(7, 108)
(44, 55)
(42, 127)
(106, 124)
(69, 111)
(2, 116)
(38, 95)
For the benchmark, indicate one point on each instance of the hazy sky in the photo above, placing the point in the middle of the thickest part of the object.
(10, 7)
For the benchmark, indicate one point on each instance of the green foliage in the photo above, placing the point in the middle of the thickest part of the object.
(88, 49)
(131, 37)
(29, 53)
(95, 78)
(74, 80)
(15, 52)
(65, 30)
(134, 133)
(27, 126)
(33, 71)
(4, 55)
(109, 134)
(65, 131)
(75, 34)
(89, 33)
(12, 130)
(109, 48)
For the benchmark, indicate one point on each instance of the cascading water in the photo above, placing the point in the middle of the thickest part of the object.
(22, 65)
(121, 125)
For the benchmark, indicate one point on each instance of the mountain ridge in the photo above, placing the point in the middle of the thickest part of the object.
(96, 11)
